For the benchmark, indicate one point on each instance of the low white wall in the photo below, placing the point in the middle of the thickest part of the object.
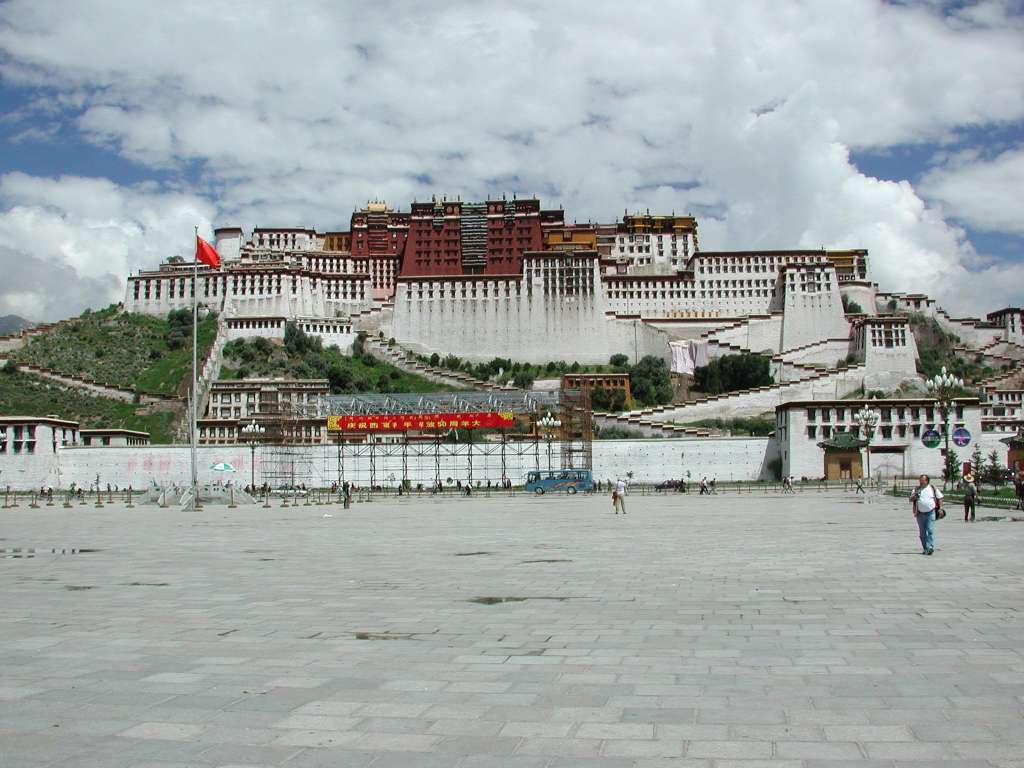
(651, 460)
(762, 400)
(11, 344)
(827, 352)
(764, 333)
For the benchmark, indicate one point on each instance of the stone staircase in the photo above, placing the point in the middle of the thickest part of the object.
(93, 387)
(740, 404)
(405, 360)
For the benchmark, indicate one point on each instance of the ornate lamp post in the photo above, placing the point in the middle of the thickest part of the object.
(867, 420)
(945, 386)
(253, 433)
(549, 425)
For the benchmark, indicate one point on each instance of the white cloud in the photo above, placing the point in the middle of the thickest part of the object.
(985, 194)
(296, 117)
(69, 242)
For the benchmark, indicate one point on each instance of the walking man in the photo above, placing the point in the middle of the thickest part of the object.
(970, 497)
(924, 501)
(619, 496)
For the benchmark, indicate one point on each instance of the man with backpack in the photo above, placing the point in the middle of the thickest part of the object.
(926, 504)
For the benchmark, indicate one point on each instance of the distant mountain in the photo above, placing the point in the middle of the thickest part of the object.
(13, 324)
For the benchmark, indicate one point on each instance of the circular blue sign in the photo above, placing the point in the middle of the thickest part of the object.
(961, 436)
(931, 438)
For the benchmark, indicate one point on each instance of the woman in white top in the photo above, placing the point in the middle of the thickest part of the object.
(925, 499)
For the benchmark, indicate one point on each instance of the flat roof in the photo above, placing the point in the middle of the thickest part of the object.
(236, 382)
(597, 375)
(15, 420)
(859, 402)
(717, 254)
(100, 432)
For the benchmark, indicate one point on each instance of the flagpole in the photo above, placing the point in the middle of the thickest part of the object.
(195, 358)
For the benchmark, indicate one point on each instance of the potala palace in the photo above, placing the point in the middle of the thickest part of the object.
(507, 278)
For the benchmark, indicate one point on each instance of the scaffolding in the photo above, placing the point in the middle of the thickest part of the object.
(449, 457)
(287, 446)
(293, 451)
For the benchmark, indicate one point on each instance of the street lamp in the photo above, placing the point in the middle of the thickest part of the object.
(867, 420)
(945, 386)
(549, 424)
(253, 433)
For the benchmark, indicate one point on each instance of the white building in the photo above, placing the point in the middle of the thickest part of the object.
(1011, 320)
(896, 447)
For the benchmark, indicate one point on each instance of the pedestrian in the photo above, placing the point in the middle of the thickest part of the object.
(970, 497)
(703, 487)
(619, 496)
(925, 503)
(1018, 487)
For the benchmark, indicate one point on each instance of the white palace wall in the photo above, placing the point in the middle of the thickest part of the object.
(650, 461)
(827, 352)
(863, 292)
(503, 318)
(813, 308)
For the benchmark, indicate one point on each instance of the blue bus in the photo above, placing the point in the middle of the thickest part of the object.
(568, 480)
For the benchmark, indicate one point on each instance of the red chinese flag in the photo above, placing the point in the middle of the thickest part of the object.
(206, 253)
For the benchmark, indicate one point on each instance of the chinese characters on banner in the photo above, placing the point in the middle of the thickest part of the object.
(401, 422)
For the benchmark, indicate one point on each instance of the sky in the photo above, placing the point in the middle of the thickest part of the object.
(895, 127)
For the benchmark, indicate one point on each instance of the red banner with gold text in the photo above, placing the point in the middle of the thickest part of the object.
(409, 422)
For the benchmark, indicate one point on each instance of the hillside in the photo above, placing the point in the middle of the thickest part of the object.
(25, 395)
(12, 324)
(149, 354)
(935, 348)
(305, 357)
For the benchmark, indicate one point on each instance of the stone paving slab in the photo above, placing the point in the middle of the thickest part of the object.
(726, 632)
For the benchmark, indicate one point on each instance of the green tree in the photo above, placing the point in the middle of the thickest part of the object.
(977, 462)
(650, 381)
(995, 472)
(951, 467)
(522, 379)
(600, 399)
(619, 361)
(730, 373)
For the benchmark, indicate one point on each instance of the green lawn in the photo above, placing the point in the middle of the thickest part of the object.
(26, 395)
(126, 350)
(758, 426)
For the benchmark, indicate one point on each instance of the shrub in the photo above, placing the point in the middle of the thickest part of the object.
(611, 400)
(619, 361)
(650, 381)
(733, 372)
(522, 380)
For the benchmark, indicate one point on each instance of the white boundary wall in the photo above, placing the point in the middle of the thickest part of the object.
(650, 460)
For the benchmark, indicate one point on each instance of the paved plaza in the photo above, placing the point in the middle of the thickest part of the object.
(735, 630)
